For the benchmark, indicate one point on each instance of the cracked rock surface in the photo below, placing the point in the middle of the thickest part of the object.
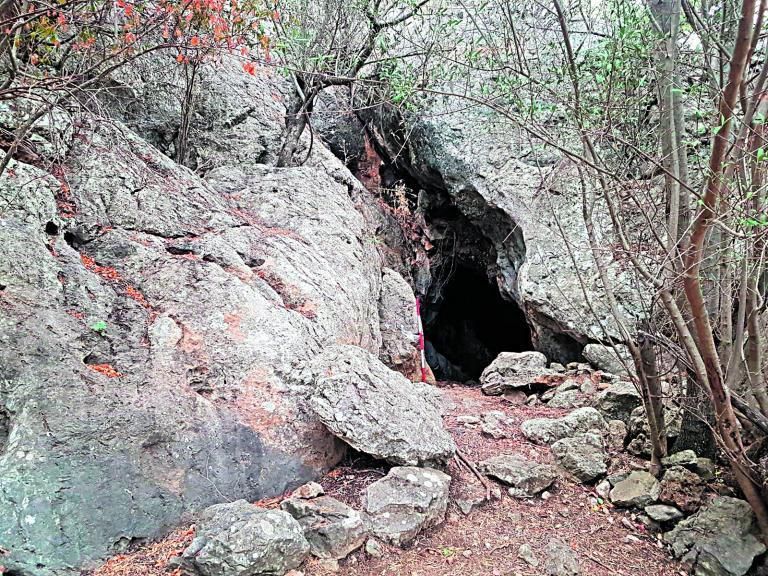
(152, 322)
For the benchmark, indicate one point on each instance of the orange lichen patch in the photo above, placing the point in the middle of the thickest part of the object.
(233, 326)
(107, 369)
(149, 559)
(307, 309)
(76, 314)
(191, 342)
(113, 276)
(243, 273)
(291, 296)
(368, 167)
(64, 203)
(271, 502)
(256, 404)
(106, 272)
(134, 294)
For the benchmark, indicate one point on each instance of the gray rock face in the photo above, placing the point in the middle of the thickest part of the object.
(639, 489)
(583, 456)
(618, 401)
(638, 432)
(494, 178)
(376, 410)
(526, 478)
(608, 359)
(512, 370)
(549, 430)
(238, 117)
(333, 529)
(397, 316)
(705, 468)
(212, 292)
(240, 539)
(560, 559)
(405, 502)
(719, 540)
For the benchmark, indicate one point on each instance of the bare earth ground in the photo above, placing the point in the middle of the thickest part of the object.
(606, 540)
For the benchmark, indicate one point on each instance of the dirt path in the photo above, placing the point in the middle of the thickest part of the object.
(486, 542)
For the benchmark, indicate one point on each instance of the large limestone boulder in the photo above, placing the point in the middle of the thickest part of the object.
(549, 430)
(405, 502)
(583, 456)
(152, 323)
(526, 478)
(512, 370)
(238, 118)
(718, 541)
(240, 539)
(376, 410)
(333, 529)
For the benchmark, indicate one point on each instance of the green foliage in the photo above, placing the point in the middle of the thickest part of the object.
(400, 79)
(99, 326)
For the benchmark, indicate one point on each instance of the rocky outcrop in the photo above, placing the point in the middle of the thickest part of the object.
(549, 430)
(525, 478)
(405, 502)
(376, 410)
(638, 431)
(240, 539)
(522, 202)
(718, 541)
(149, 342)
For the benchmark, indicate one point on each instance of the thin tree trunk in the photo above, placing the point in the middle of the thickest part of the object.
(654, 404)
(726, 419)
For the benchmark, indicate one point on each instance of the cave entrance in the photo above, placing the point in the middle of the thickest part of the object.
(470, 325)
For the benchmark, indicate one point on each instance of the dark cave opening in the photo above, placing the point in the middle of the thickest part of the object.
(468, 328)
(460, 253)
